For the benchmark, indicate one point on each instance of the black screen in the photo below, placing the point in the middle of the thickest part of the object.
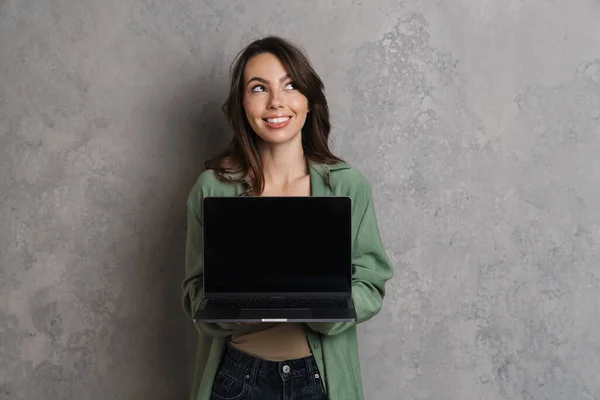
(277, 244)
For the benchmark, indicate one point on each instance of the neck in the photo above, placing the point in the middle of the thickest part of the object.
(283, 163)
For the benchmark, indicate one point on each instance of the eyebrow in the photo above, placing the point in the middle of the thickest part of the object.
(256, 78)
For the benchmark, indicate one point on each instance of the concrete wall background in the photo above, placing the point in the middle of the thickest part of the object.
(478, 124)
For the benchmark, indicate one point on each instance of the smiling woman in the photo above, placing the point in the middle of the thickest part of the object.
(280, 120)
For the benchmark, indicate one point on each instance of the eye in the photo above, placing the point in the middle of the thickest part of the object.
(258, 88)
(290, 86)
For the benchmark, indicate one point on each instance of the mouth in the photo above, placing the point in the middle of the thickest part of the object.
(277, 122)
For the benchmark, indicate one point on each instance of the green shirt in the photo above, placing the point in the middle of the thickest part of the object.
(334, 345)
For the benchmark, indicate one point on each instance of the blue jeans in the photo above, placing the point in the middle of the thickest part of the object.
(243, 377)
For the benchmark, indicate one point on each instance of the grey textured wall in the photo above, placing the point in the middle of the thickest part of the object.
(477, 123)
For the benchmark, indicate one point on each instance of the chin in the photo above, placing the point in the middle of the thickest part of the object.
(277, 137)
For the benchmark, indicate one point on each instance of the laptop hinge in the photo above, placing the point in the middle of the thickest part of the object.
(278, 295)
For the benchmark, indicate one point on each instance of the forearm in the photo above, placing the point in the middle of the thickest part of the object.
(367, 303)
(192, 298)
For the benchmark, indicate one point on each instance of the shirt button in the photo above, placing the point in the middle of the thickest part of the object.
(316, 346)
(286, 369)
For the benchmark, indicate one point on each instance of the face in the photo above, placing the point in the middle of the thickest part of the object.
(275, 109)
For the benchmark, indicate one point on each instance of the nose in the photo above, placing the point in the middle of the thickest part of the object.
(274, 100)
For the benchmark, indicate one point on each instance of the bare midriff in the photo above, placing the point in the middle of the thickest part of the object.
(285, 341)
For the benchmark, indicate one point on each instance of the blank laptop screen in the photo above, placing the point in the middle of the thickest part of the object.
(277, 244)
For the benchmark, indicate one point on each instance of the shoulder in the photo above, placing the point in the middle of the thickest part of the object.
(209, 184)
(208, 180)
(348, 180)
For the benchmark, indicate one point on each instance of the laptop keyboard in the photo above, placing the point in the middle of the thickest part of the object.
(277, 303)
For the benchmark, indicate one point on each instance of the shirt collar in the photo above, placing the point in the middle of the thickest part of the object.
(320, 179)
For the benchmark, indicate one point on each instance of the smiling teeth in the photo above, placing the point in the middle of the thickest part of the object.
(277, 120)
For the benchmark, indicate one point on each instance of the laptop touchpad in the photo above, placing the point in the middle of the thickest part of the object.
(298, 313)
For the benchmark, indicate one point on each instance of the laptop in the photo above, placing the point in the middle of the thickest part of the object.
(277, 259)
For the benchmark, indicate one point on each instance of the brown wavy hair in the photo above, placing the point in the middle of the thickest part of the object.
(240, 158)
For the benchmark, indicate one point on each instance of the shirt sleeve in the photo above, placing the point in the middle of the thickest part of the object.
(371, 270)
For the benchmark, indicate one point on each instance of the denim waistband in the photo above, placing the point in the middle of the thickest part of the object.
(254, 366)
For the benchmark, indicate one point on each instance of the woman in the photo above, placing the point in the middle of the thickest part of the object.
(280, 119)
